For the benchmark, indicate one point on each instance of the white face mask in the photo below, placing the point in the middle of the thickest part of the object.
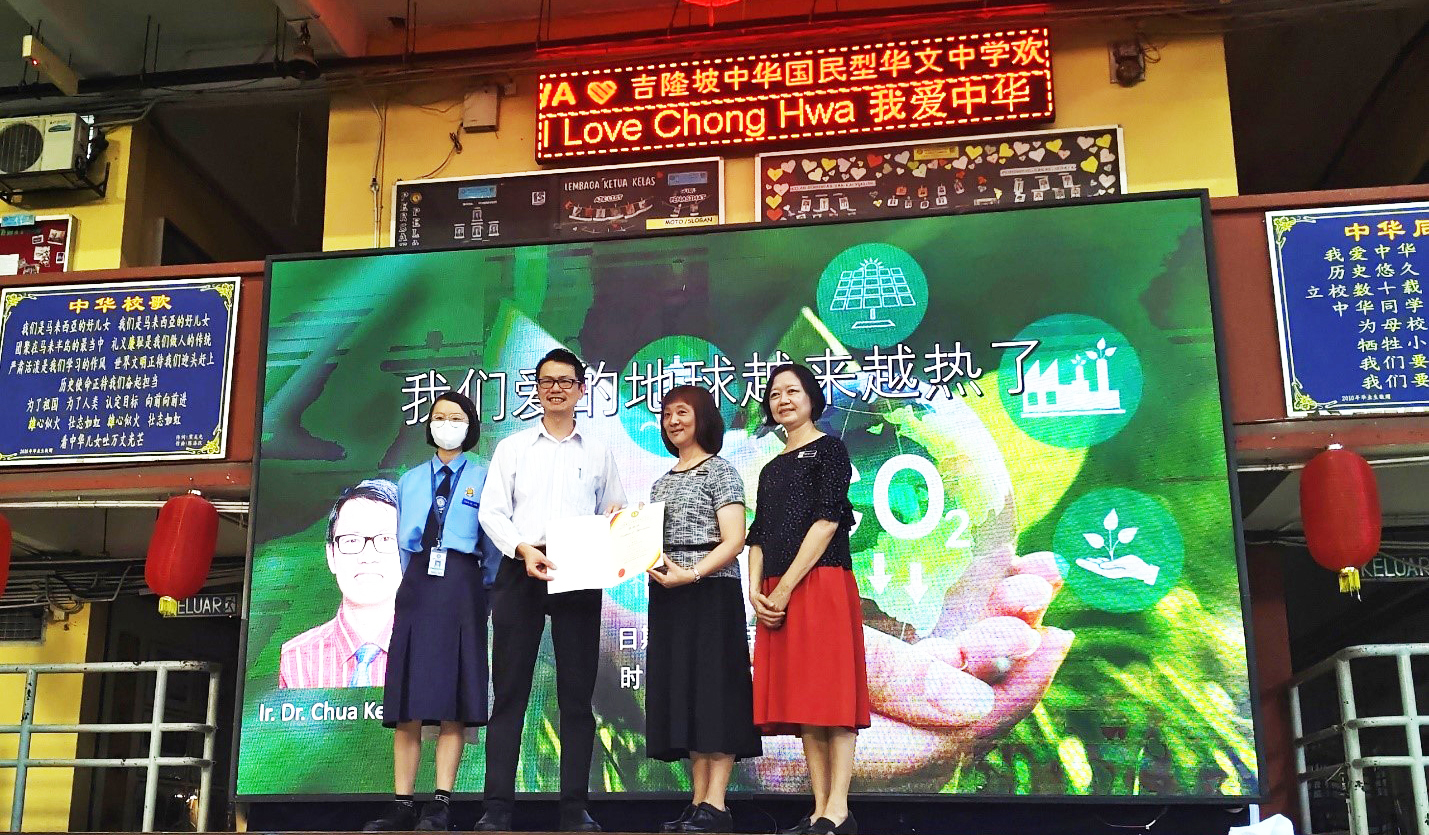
(448, 433)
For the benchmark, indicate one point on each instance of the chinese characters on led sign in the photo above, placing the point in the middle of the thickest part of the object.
(902, 87)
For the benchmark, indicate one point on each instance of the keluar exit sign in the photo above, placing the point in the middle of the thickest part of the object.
(900, 87)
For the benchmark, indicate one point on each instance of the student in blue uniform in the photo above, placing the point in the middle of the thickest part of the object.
(436, 668)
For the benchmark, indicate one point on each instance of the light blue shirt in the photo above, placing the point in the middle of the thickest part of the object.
(414, 501)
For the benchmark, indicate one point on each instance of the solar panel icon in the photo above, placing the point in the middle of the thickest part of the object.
(871, 286)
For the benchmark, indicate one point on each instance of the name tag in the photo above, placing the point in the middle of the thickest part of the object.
(470, 502)
(808, 453)
(437, 562)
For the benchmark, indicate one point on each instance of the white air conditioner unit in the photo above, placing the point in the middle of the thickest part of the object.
(32, 144)
(54, 151)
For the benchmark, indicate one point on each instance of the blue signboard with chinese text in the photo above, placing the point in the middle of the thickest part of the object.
(133, 371)
(1349, 284)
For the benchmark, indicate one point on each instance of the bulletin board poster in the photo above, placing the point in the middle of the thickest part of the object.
(916, 178)
(1349, 294)
(1031, 401)
(573, 203)
(32, 244)
(119, 372)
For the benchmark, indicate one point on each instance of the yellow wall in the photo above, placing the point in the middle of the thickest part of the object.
(99, 221)
(47, 799)
(1177, 128)
(148, 181)
(167, 187)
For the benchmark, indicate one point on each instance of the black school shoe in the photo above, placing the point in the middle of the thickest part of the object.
(709, 819)
(435, 817)
(578, 820)
(495, 820)
(800, 828)
(674, 825)
(824, 826)
(399, 817)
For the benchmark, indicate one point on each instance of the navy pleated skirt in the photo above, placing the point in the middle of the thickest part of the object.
(436, 662)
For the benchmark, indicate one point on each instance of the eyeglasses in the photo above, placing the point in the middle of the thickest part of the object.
(562, 383)
(351, 543)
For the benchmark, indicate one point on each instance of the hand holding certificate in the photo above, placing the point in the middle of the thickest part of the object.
(598, 552)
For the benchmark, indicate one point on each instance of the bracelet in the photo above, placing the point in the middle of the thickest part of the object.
(698, 576)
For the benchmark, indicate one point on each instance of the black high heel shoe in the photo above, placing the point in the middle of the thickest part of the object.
(824, 826)
(707, 818)
(800, 828)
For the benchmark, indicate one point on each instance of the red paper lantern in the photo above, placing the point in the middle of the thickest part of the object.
(181, 550)
(5, 542)
(1339, 507)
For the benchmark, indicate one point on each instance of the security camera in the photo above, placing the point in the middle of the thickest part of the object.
(303, 64)
(1128, 62)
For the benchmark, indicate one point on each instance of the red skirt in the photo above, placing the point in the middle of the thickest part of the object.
(811, 670)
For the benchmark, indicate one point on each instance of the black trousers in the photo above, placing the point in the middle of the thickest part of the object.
(519, 606)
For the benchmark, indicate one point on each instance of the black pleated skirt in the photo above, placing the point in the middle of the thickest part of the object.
(699, 696)
(436, 662)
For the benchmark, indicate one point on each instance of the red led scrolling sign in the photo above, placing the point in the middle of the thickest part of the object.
(902, 87)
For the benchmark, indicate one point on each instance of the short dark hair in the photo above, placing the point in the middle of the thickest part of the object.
(817, 401)
(378, 490)
(709, 423)
(474, 422)
(564, 357)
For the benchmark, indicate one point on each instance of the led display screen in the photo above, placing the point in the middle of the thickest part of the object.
(1023, 393)
(925, 86)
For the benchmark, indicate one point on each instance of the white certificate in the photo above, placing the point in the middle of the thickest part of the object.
(599, 552)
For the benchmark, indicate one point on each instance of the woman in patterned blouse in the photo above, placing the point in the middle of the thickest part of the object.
(699, 698)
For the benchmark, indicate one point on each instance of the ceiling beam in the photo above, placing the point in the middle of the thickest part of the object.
(334, 21)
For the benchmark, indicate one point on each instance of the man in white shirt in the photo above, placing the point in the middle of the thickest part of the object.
(538, 477)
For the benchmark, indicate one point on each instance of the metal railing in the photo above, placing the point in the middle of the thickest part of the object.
(156, 728)
(1352, 763)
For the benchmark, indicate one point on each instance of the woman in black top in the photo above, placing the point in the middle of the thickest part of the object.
(698, 701)
(809, 676)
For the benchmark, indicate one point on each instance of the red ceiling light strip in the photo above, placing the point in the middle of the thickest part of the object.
(711, 5)
(899, 87)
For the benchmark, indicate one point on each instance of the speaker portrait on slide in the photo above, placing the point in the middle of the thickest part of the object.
(350, 650)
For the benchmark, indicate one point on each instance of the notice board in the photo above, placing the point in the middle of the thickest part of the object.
(917, 178)
(543, 206)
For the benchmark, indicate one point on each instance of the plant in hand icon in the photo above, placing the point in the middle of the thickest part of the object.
(1111, 566)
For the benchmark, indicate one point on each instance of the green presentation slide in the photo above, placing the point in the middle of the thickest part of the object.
(1024, 394)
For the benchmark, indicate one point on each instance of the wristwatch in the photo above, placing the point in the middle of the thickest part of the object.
(698, 576)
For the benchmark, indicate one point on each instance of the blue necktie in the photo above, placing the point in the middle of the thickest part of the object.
(362, 675)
